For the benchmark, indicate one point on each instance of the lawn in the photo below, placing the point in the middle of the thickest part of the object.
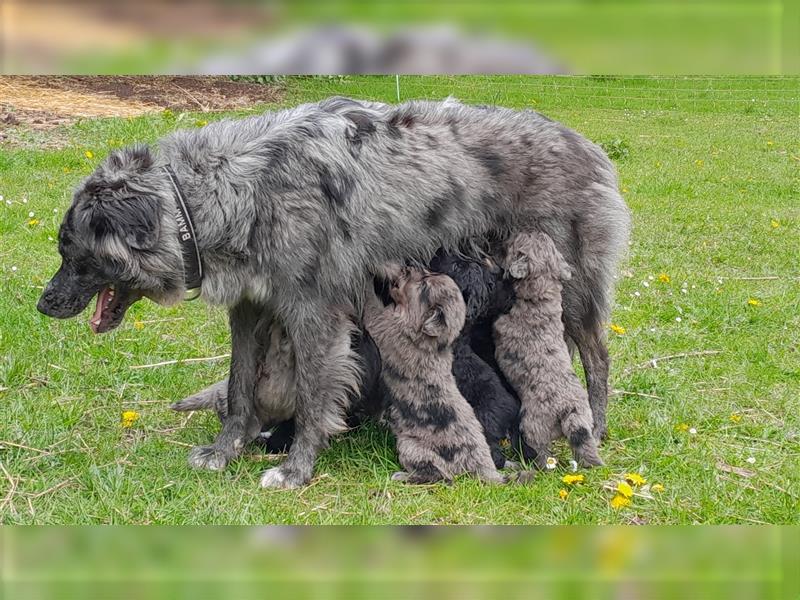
(711, 286)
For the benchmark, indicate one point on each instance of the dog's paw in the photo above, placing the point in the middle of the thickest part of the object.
(282, 479)
(207, 457)
(512, 465)
(400, 476)
(600, 433)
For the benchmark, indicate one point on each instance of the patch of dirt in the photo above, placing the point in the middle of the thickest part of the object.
(46, 102)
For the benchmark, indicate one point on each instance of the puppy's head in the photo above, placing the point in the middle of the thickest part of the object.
(478, 281)
(534, 255)
(113, 244)
(430, 306)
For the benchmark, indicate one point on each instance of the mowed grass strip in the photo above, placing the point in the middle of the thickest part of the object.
(710, 170)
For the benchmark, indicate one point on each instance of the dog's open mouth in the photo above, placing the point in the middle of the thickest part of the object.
(112, 303)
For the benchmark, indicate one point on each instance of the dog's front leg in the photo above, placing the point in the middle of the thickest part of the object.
(241, 424)
(319, 411)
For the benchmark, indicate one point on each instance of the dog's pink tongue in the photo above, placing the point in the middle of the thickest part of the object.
(102, 297)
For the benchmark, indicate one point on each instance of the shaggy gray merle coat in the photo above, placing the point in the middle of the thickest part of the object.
(293, 212)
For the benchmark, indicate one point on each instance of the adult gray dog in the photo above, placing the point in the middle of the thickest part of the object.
(287, 215)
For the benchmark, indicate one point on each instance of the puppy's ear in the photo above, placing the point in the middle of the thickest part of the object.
(434, 323)
(135, 220)
(519, 267)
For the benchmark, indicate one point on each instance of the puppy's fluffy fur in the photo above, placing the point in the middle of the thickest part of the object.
(485, 296)
(532, 353)
(275, 393)
(438, 435)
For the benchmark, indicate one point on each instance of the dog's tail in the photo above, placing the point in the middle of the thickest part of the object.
(213, 397)
(578, 432)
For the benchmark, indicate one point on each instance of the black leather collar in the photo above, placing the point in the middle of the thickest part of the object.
(192, 264)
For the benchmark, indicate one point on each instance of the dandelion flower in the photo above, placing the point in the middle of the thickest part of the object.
(775, 223)
(617, 329)
(33, 222)
(663, 278)
(735, 418)
(201, 123)
(620, 501)
(624, 489)
(657, 487)
(770, 143)
(89, 154)
(138, 325)
(682, 427)
(635, 479)
(551, 463)
(129, 417)
(624, 190)
(572, 479)
(754, 302)
(699, 162)
(562, 493)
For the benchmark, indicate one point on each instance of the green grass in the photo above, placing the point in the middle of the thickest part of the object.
(709, 168)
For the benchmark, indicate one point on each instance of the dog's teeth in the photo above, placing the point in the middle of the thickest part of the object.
(111, 292)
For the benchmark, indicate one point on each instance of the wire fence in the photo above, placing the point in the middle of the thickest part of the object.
(748, 95)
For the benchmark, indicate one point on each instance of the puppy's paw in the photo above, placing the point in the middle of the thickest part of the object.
(401, 476)
(207, 457)
(282, 478)
(512, 465)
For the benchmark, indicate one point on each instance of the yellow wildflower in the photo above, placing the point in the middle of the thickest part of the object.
(754, 302)
(129, 417)
(624, 190)
(663, 278)
(562, 493)
(624, 489)
(775, 223)
(66, 169)
(617, 329)
(89, 154)
(619, 501)
(635, 479)
(33, 222)
(735, 417)
(201, 122)
(699, 162)
(138, 325)
(572, 479)
(682, 427)
(770, 143)
(657, 487)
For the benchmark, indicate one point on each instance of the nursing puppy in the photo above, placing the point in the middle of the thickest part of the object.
(483, 289)
(532, 353)
(438, 436)
(276, 395)
(285, 216)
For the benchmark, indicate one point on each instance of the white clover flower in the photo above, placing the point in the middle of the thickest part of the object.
(678, 319)
(551, 463)
(31, 214)
(13, 269)
(692, 430)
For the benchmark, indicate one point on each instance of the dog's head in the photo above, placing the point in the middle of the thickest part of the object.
(428, 304)
(480, 283)
(115, 243)
(534, 255)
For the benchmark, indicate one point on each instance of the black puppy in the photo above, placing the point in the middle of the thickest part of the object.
(486, 295)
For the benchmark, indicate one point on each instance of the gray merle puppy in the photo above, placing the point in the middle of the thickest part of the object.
(438, 435)
(532, 353)
(285, 216)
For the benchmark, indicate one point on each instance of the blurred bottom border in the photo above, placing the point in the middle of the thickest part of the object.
(728, 562)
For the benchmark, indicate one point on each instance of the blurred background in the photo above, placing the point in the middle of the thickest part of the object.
(730, 563)
(405, 37)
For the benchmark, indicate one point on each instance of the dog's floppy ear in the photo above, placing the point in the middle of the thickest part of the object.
(434, 323)
(135, 219)
(519, 267)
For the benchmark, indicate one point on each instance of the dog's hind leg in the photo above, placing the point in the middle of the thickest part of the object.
(326, 375)
(596, 362)
(241, 424)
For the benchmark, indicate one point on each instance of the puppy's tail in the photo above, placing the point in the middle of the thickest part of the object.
(583, 444)
(214, 397)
